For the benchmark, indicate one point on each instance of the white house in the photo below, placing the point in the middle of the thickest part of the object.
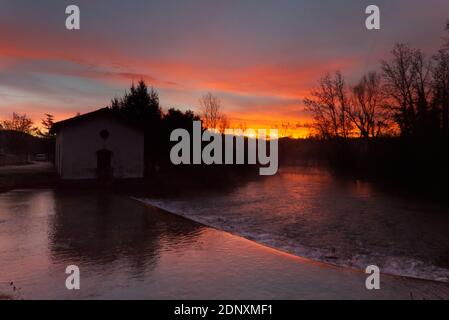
(98, 144)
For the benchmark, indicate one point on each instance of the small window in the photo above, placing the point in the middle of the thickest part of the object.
(104, 134)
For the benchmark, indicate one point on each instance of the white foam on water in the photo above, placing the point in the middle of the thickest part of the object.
(241, 226)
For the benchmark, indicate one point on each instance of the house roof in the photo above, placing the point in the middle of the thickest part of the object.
(103, 112)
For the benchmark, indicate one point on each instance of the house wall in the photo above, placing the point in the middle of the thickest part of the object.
(77, 145)
(58, 148)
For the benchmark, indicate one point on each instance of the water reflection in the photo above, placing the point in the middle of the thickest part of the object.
(43, 231)
(104, 228)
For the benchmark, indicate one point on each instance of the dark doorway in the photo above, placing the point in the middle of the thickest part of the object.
(104, 166)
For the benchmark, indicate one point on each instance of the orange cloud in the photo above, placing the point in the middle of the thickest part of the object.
(259, 93)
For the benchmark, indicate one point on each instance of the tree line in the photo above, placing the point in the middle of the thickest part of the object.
(140, 105)
(408, 97)
(24, 124)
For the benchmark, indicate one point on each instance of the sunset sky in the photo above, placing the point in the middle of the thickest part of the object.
(260, 57)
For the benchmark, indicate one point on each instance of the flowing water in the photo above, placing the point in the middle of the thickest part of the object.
(125, 249)
(310, 213)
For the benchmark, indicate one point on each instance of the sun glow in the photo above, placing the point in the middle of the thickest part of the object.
(285, 128)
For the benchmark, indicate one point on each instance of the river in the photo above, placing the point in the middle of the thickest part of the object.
(311, 213)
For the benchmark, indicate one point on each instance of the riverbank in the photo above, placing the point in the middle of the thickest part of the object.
(31, 175)
(128, 250)
(414, 167)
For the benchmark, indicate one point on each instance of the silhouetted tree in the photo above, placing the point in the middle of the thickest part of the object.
(20, 123)
(411, 94)
(423, 90)
(223, 124)
(212, 113)
(440, 85)
(141, 106)
(329, 105)
(47, 124)
(407, 85)
(366, 110)
(175, 118)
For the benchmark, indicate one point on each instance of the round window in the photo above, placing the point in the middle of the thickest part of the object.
(104, 134)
